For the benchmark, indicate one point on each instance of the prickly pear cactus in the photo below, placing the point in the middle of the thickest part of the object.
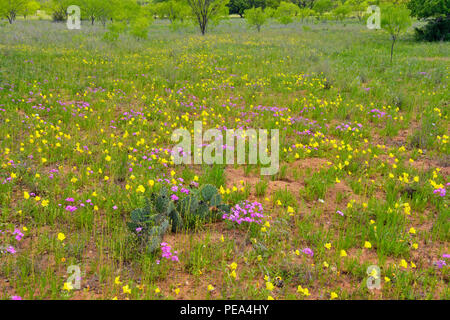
(187, 205)
(160, 213)
(176, 220)
(162, 201)
(208, 192)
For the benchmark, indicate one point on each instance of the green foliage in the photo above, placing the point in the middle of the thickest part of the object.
(30, 8)
(174, 10)
(395, 19)
(139, 27)
(214, 175)
(358, 7)
(114, 30)
(342, 11)
(286, 12)
(11, 8)
(58, 8)
(435, 30)
(322, 6)
(256, 17)
(429, 8)
(205, 11)
(151, 222)
(93, 10)
(239, 7)
(125, 10)
(305, 13)
(437, 13)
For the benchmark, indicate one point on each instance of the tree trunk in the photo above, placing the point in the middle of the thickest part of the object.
(203, 25)
(392, 46)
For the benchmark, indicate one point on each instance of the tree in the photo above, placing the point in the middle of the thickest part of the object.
(114, 31)
(238, 6)
(305, 13)
(10, 8)
(436, 13)
(341, 11)
(322, 6)
(304, 3)
(30, 8)
(395, 19)
(359, 7)
(125, 10)
(286, 12)
(139, 27)
(96, 10)
(206, 10)
(429, 8)
(58, 8)
(173, 10)
(256, 17)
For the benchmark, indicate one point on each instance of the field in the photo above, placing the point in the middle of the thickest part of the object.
(85, 129)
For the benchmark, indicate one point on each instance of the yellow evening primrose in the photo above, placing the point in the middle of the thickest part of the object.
(367, 245)
(68, 286)
(306, 292)
(126, 289)
(61, 236)
(403, 263)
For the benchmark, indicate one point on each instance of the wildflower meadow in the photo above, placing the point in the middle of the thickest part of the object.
(351, 119)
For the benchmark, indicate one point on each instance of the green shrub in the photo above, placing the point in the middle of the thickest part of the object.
(114, 30)
(435, 30)
(139, 28)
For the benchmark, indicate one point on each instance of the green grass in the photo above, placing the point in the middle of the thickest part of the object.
(91, 120)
